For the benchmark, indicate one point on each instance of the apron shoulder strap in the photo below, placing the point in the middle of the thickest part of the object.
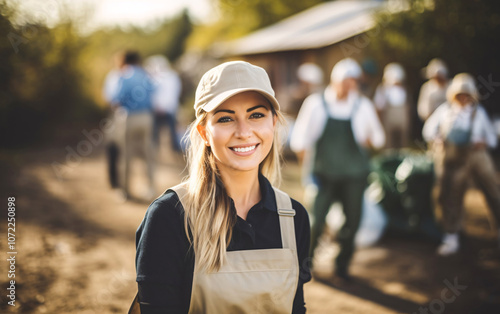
(472, 120)
(180, 190)
(325, 105)
(355, 107)
(287, 224)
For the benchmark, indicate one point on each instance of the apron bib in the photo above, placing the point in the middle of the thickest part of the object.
(338, 155)
(457, 142)
(251, 281)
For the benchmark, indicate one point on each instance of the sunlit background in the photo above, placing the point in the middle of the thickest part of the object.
(76, 242)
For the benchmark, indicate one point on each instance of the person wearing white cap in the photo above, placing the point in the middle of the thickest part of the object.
(461, 133)
(310, 77)
(391, 101)
(433, 92)
(310, 80)
(340, 125)
(225, 240)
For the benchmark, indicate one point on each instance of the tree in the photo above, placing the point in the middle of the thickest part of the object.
(40, 82)
(241, 17)
(176, 39)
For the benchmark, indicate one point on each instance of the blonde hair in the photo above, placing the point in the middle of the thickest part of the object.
(209, 217)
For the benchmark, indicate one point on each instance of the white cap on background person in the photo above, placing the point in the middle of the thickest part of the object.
(310, 73)
(394, 73)
(436, 67)
(344, 69)
(156, 64)
(462, 83)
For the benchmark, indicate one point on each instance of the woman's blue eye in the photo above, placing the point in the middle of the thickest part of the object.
(224, 119)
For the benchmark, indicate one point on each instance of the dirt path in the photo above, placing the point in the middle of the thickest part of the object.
(76, 249)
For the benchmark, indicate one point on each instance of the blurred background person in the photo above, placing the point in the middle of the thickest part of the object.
(461, 133)
(391, 101)
(112, 80)
(134, 95)
(113, 136)
(368, 81)
(165, 99)
(433, 92)
(340, 125)
(311, 78)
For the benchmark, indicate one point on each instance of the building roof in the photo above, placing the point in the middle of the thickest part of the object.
(322, 25)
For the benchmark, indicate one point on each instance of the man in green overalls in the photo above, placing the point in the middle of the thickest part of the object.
(340, 125)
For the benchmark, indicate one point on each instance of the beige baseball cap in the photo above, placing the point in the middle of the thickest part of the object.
(228, 79)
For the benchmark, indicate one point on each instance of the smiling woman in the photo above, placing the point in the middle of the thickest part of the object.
(240, 132)
(226, 240)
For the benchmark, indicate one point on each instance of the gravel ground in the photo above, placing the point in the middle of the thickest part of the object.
(76, 247)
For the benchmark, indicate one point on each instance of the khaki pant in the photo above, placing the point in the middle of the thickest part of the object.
(454, 175)
(138, 140)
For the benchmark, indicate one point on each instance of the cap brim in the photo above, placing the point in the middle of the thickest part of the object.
(219, 99)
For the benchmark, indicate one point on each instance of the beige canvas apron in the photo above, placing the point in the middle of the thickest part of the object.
(251, 281)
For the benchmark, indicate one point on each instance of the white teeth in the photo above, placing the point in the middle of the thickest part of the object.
(244, 149)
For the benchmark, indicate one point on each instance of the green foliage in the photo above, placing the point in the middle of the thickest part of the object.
(176, 39)
(40, 82)
(52, 76)
(241, 17)
(464, 33)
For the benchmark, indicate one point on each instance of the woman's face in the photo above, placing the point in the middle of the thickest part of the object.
(240, 132)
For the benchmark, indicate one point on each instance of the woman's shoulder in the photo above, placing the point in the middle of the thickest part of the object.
(297, 206)
(301, 214)
(165, 206)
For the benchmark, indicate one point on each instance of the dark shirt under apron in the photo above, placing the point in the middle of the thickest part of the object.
(165, 260)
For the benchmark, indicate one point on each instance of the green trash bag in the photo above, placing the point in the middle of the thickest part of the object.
(401, 182)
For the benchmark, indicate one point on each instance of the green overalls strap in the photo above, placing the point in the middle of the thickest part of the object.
(337, 154)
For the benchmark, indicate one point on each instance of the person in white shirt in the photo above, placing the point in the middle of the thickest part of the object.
(165, 99)
(433, 92)
(461, 133)
(391, 102)
(339, 125)
(311, 77)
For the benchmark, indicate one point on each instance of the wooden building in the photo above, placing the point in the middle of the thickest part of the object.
(323, 34)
